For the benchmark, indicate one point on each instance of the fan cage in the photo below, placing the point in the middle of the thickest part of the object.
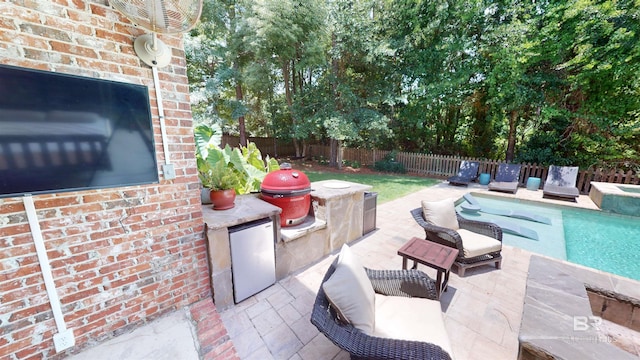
(161, 16)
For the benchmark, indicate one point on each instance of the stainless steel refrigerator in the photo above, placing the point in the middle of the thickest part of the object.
(253, 260)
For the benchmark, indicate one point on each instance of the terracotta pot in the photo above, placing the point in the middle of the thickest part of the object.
(223, 199)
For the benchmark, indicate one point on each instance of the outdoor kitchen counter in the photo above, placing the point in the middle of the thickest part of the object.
(341, 205)
(247, 208)
(332, 189)
(336, 218)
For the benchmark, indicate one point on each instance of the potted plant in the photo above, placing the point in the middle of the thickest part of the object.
(221, 169)
(221, 180)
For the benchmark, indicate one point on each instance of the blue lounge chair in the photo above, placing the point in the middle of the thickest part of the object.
(561, 183)
(468, 172)
(506, 179)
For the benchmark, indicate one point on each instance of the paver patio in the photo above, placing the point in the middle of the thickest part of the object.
(482, 311)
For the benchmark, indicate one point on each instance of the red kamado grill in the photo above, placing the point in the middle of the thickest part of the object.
(289, 190)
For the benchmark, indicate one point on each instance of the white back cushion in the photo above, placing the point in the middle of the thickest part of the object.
(350, 292)
(441, 213)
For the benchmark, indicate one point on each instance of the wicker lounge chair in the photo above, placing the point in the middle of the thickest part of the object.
(561, 183)
(506, 179)
(397, 283)
(477, 253)
(468, 172)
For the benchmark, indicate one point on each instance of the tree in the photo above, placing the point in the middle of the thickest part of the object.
(513, 86)
(290, 36)
(591, 49)
(217, 55)
(354, 84)
(436, 57)
(550, 81)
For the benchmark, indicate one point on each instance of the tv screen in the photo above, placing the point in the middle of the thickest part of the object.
(63, 132)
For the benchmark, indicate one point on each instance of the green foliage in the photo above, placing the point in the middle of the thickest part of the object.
(218, 175)
(354, 164)
(322, 160)
(239, 168)
(389, 164)
(205, 138)
(552, 82)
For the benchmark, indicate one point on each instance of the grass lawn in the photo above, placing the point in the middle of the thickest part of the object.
(388, 187)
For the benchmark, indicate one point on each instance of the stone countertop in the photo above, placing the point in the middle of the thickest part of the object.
(555, 297)
(247, 208)
(309, 225)
(250, 207)
(330, 189)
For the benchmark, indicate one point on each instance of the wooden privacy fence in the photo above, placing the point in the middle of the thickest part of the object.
(440, 166)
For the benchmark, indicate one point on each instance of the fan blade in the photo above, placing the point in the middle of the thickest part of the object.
(157, 15)
(161, 16)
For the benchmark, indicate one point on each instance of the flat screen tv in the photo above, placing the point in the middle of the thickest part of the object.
(63, 132)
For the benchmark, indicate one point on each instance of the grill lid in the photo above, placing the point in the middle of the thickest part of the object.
(286, 181)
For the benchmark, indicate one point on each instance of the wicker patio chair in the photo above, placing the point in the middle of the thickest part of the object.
(406, 283)
(452, 238)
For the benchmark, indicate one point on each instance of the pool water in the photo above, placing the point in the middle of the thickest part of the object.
(630, 189)
(604, 241)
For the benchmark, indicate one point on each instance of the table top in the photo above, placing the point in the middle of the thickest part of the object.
(429, 253)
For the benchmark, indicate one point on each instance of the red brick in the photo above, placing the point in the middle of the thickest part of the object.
(91, 326)
(32, 353)
(118, 38)
(118, 231)
(81, 209)
(15, 229)
(23, 271)
(30, 311)
(79, 295)
(202, 310)
(78, 28)
(9, 207)
(16, 346)
(56, 202)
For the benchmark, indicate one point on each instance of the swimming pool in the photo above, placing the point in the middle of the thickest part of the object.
(604, 241)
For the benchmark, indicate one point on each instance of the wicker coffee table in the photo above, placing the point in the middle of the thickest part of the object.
(431, 254)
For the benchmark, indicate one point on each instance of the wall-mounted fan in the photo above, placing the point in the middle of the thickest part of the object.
(158, 16)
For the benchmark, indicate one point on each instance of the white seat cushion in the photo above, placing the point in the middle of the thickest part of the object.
(475, 244)
(405, 318)
(350, 292)
(441, 213)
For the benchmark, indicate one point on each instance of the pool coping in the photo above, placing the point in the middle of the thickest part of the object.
(556, 295)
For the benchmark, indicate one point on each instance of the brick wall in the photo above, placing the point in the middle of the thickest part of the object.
(120, 257)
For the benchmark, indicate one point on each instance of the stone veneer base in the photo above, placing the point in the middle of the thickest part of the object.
(613, 197)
